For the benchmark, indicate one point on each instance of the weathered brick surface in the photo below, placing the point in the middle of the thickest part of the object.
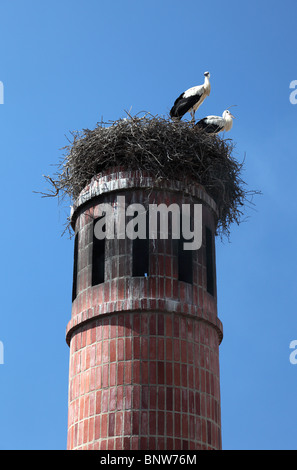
(144, 352)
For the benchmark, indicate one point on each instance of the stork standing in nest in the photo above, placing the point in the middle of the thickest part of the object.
(216, 124)
(190, 100)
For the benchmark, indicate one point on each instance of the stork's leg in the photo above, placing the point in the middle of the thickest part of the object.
(192, 112)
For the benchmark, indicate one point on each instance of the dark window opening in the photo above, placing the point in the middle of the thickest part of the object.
(74, 282)
(140, 257)
(210, 281)
(185, 259)
(98, 259)
(141, 254)
(185, 262)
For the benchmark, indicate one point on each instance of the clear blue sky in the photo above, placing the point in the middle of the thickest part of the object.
(64, 65)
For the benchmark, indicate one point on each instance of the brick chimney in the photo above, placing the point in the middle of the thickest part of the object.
(144, 333)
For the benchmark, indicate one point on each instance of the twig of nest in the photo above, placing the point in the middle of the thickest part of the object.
(162, 147)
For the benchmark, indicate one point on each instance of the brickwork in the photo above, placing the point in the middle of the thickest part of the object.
(144, 351)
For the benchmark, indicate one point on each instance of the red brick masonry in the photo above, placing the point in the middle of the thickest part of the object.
(144, 351)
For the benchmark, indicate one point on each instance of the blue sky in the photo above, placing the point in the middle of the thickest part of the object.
(64, 66)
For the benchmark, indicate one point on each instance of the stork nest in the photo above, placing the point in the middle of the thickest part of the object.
(162, 147)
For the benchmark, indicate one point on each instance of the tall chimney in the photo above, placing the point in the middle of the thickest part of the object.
(144, 333)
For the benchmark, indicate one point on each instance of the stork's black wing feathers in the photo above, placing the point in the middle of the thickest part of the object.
(183, 105)
(179, 98)
(208, 127)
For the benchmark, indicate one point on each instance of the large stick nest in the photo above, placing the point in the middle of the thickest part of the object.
(171, 150)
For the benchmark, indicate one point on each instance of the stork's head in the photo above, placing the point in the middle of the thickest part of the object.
(206, 74)
(227, 114)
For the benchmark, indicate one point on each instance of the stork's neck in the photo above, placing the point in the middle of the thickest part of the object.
(207, 85)
(228, 122)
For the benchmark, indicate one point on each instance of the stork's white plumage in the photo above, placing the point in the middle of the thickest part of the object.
(190, 100)
(216, 124)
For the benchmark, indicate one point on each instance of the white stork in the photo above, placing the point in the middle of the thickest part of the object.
(190, 100)
(216, 124)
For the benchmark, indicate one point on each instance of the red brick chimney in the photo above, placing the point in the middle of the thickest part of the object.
(144, 333)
